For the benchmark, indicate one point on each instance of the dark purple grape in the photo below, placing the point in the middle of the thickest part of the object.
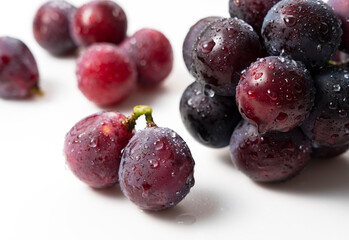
(328, 152)
(156, 170)
(341, 8)
(51, 27)
(251, 11)
(224, 48)
(269, 157)
(275, 94)
(19, 75)
(328, 122)
(209, 118)
(307, 30)
(190, 38)
(93, 148)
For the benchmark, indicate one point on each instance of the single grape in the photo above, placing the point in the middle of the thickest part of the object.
(328, 122)
(341, 8)
(251, 11)
(51, 27)
(307, 30)
(269, 157)
(275, 94)
(156, 170)
(19, 74)
(99, 21)
(93, 148)
(328, 152)
(209, 118)
(106, 74)
(192, 35)
(223, 49)
(152, 53)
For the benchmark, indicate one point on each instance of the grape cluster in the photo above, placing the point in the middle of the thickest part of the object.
(108, 70)
(275, 63)
(154, 166)
(113, 64)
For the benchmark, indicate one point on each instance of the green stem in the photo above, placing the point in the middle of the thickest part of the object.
(138, 111)
(338, 63)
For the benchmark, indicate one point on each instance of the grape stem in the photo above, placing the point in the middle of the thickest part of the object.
(35, 90)
(335, 63)
(138, 111)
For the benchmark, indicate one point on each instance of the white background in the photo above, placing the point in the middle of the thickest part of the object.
(41, 199)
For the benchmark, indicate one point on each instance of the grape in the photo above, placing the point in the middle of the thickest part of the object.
(106, 75)
(99, 21)
(156, 170)
(251, 11)
(19, 74)
(152, 53)
(328, 123)
(93, 148)
(307, 30)
(51, 27)
(191, 37)
(269, 157)
(223, 49)
(275, 94)
(209, 118)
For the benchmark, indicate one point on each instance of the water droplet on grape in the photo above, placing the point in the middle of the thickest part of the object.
(342, 113)
(290, 20)
(93, 143)
(154, 163)
(324, 28)
(251, 94)
(209, 92)
(319, 47)
(207, 46)
(258, 75)
(159, 145)
(273, 96)
(336, 88)
(281, 117)
(190, 102)
(332, 105)
(173, 134)
(190, 181)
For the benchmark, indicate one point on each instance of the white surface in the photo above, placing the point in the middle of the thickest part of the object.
(40, 199)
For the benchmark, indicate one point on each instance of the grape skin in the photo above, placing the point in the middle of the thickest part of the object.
(156, 170)
(210, 119)
(269, 157)
(93, 148)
